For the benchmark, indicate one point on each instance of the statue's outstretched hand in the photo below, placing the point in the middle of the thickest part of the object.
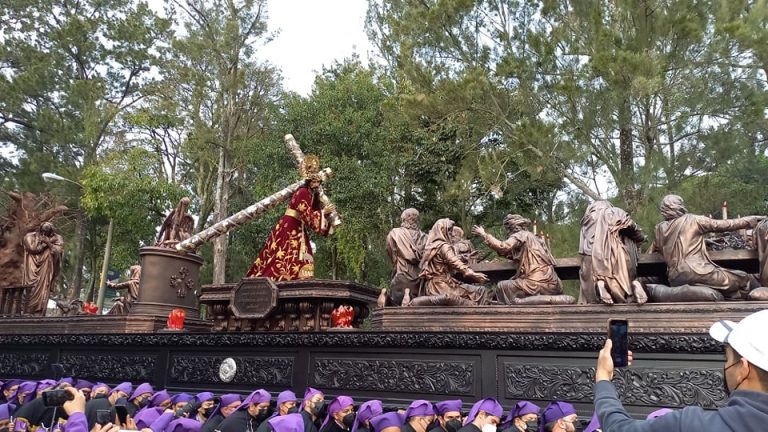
(478, 230)
(477, 277)
(328, 209)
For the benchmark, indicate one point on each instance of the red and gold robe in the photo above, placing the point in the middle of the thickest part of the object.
(287, 255)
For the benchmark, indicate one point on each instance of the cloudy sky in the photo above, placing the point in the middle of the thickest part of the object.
(312, 34)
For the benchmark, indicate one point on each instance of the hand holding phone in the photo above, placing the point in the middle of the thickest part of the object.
(54, 398)
(122, 414)
(618, 333)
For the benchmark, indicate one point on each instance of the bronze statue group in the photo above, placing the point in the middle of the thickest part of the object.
(24, 410)
(435, 268)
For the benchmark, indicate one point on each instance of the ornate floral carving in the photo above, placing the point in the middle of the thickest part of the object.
(24, 364)
(433, 377)
(251, 370)
(646, 386)
(181, 282)
(131, 367)
(689, 344)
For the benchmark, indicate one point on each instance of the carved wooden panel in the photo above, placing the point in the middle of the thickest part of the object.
(664, 343)
(111, 366)
(636, 386)
(251, 370)
(21, 364)
(411, 376)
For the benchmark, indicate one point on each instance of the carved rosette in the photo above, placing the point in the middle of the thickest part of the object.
(131, 367)
(181, 282)
(434, 377)
(256, 371)
(645, 386)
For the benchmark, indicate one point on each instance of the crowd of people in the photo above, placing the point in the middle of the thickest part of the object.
(25, 410)
(70, 405)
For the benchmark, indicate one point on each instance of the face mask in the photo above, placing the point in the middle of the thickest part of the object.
(207, 412)
(262, 414)
(349, 420)
(453, 425)
(531, 426)
(100, 396)
(144, 402)
(317, 409)
(293, 410)
(489, 428)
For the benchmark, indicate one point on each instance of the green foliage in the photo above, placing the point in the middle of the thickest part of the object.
(125, 187)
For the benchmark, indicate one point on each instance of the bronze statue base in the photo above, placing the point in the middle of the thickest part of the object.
(94, 324)
(300, 305)
(650, 318)
(169, 280)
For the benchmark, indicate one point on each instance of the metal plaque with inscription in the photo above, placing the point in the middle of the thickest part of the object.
(253, 298)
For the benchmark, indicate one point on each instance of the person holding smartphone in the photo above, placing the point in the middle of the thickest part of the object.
(745, 381)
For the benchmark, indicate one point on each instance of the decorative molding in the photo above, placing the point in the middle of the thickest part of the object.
(251, 370)
(644, 386)
(107, 366)
(693, 344)
(403, 376)
(24, 364)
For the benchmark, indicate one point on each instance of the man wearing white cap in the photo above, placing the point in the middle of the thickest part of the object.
(745, 376)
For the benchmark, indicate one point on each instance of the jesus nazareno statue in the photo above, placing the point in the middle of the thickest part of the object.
(42, 263)
(287, 254)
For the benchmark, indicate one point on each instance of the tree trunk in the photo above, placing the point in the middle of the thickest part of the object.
(627, 157)
(220, 213)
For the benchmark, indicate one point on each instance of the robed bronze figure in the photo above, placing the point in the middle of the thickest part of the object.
(42, 263)
(608, 245)
(680, 240)
(536, 265)
(131, 286)
(463, 247)
(438, 265)
(405, 247)
(760, 240)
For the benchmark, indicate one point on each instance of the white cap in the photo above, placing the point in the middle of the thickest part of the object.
(746, 337)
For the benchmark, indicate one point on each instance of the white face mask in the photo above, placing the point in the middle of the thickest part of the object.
(489, 428)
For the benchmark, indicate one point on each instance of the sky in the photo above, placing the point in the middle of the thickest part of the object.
(312, 34)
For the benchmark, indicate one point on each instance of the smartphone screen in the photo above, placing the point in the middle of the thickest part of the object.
(122, 413)
(618, 333)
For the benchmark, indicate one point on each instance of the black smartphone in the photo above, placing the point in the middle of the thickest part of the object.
(54, 398)
(122, 413)
(103, 417)
(618, 331)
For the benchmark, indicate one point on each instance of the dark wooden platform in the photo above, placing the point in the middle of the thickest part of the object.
(650, 318)
(648, 265)
(84, 324)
